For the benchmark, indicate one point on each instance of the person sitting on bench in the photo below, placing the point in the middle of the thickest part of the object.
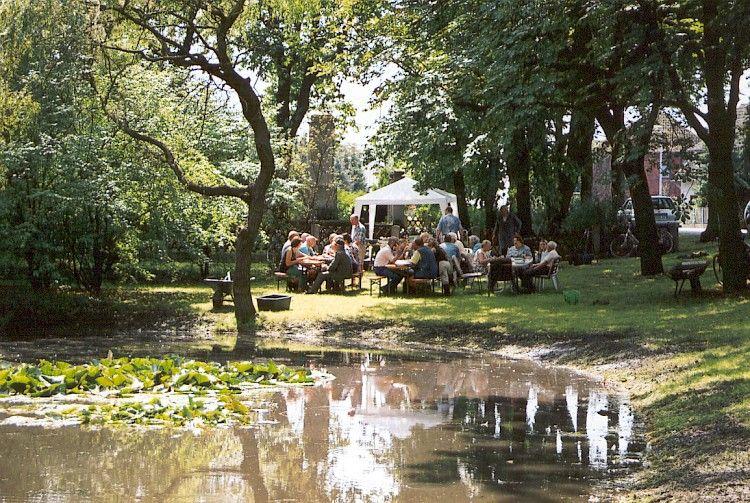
(291, 261)
(388, 255)
(423, 260)
(310, 246)
(350, 247)
(338, 271)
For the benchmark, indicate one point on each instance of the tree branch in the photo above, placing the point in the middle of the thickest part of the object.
(169, 157)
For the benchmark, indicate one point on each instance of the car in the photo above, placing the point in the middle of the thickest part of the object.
(746, 214)
(665, 211)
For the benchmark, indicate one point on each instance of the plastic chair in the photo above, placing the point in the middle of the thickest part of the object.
(551, 276)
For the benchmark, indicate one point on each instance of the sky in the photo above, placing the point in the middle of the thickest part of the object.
(366, 115)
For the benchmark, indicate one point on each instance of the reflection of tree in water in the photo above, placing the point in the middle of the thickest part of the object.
(83, 462)
(382, 430)
(438, 428)
(495, 448)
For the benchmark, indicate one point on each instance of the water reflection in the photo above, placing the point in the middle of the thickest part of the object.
(387, 428)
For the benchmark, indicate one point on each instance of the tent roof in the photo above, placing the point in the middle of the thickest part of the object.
(404, 192)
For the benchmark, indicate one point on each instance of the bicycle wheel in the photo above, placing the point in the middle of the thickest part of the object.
(666, 241)
(717, 270)
(619, 246)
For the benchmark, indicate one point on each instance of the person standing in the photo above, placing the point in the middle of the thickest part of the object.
(448, 223)
(358, 235)
(506, 227)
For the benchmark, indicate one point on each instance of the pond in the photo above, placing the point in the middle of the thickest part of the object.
(392, 426)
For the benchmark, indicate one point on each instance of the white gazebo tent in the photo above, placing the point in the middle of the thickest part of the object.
(402, 193)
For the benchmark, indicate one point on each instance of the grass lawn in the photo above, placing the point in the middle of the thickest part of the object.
(686, 361)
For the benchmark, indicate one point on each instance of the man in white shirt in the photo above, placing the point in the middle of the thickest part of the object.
(388, 254)
(542, 268)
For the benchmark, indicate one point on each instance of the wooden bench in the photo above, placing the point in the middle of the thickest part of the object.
(690, 270)
(413, 285)
(377, 280)
(291, 283)
(356, 281)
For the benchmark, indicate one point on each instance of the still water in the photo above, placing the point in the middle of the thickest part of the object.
(391, 427)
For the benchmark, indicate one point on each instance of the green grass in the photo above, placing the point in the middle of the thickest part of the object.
(686, 361)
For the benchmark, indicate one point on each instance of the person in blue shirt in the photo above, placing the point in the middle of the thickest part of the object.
(448, 223)
(309, 247)
(450, 247)
(519, 249)
(474, 243)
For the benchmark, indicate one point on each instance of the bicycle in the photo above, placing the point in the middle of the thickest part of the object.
(626, 245)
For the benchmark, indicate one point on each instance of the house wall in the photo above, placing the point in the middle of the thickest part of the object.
(602, 186)
(669, 187)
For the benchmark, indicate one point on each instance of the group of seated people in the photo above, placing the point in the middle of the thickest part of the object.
(445, 261)
(300, 260)
(500, 267)
(428, 259)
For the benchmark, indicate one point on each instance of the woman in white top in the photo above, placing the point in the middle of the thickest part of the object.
(542, 268)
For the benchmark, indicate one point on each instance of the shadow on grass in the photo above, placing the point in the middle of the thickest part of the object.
(698, 430)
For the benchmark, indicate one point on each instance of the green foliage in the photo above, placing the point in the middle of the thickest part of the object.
(143, 375)
(348, 168)
(345, 201)
(74, 206)
(228, 410)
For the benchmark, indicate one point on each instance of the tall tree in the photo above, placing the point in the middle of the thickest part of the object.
(292, 45)
(705, 48)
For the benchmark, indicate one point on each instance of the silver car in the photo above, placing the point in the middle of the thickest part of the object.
(746, 214)
(665, 210)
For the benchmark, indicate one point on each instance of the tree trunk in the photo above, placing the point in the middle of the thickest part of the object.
(579, 154)
(618, 179)
(645, 221)
(721, 180)
(489, 196)
(244, 310)
(459, 187)
(719, 63)
(712, 226)
(558, 210)
(576, 149)
(519, 171)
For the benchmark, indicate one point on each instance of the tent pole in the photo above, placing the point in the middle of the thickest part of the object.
(372, 209)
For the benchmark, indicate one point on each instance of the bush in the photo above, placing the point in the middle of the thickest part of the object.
(583, 217)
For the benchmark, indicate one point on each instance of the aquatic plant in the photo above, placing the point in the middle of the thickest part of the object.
(134, 375)
(227, 410)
